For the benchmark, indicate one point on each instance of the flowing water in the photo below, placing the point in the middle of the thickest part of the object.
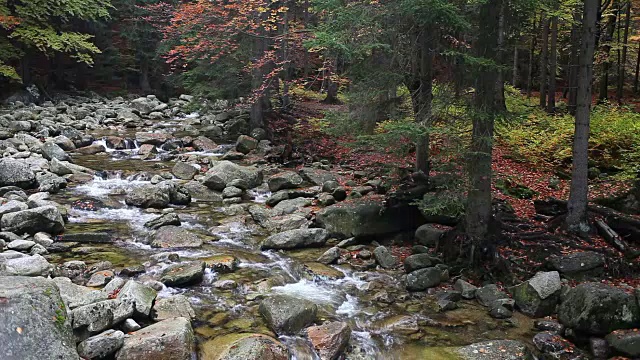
(387, 322)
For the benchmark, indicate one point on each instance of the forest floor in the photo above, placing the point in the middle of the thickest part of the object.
(529, 241)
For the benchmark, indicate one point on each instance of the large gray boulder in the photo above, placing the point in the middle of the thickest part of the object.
(579, 265)
(184, 273)
(284, 180)
(244, 347)
(102, 345)
(297, 238)
(172, 236)
(148, 196)
(96, 317)
(16, 173)
(172, 306)
(538, 296)
(171, 339)
(598, 309)
(224, 172)
(184, 171)
(287, 314)
(428, 235)
(34, 321)
(51, 150)
(329, 339)
(385, 258)
(626, 342)
(34, 265)
(424, 279)
(366, 217)
(157, 138)
(141, 295)
(496, 350)
(46, 219)
(75, 295)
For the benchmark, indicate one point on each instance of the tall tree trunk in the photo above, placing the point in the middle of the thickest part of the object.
(514, 74)
(422, 96)
(573, 61)
(532, 51)
(544, 54)
(578, 197)
(478, 212)
(286, 101)
(636, 80)
(605, 42)
(145, 86)
(553, 59)
(330, 85)
(623, 61)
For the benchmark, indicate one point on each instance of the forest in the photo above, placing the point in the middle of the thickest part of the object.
(320, 179)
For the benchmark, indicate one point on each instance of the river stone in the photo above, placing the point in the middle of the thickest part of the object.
(20, 245)
(34, 265)
(286, 314)
(16, 173)
(182, 274)
(488, 294)
(148, 196)
(101, 345)
(223, 263)
(163, 220)
(170, 339)
(28, 334)
(578, 265)
(418, 261)
(598, 309)
(284, 180)
(554, 346)
(172, 236)
(317, 176)
(52, 151)
(201, 192)
(224, 172)
(50, 182)
(95, 317)
(467, 290)
(495, 350)
(428, 235)
(184, 171)
(329, 339)
(277, 197)
(244, 347)
(330, 256)
(538, 296)
(245, 144)
(75, 295)
(384, 257)
(172, 306)
(231, 192)
(100, 278)
(626, 342)
(366, 217)
(156, 139)
(91, 149)
(46, 219)
(12, 206)
(424, 279)
(141, 295)
(293, 239)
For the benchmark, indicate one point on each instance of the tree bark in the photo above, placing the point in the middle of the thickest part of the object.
(422, 96)
(573, 59)
(478, 212)
(636, 80)
(514, 75)
(576, 220)
(553, 58)
(532, 51)
(544, 54)
(145, 86)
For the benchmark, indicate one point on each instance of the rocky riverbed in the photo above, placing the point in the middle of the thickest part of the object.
(134, 229)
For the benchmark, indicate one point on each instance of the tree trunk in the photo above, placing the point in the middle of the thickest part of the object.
(286, 101)
(577, 206)
(331, 86)
(573, 59)
(623, 62)
(478, 210)
(422, 96)
(636, 80)
(553, 58)
(144, 76)
(544, 54)
(605, 41)
(514, 75)
(532, 51)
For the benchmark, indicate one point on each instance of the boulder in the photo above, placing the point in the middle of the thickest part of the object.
(286, 314)
(538, 296)
(75, 295)
(598, 309)
(495, 350)
(99, 316)
(20, 245)
(578, 265)
(28, 334)
(141, 295)
(245, 144)
(626, 342)
(244, 347)
(102, 345)
(172, 236)
(201, 192)
(16, 173)
(50, 182)
(46, 219)
(428, 235)
(12, 206)
(224, 172)
(172, 306)
(223, 263)
(329, 339)
(185, 273)
(163, 220)
(170, 339)
(156, 139)
(467, 290)
(384, 258)
(52, 151)
(554, 346)
(284, 180)
(424, 279)
(418, 261)
(184, 171)
(488, 294)
(148, 196)
(317, 176)
(297, 238)
(366, 217)
(330, 256)
(91, 149)
(34, 265)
